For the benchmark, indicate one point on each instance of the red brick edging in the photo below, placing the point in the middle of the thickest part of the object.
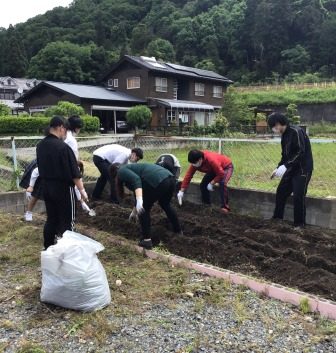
(319, 305)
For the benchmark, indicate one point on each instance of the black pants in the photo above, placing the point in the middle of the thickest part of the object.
(223, 188)
(163, 193)
(103, 166)
(60, 202)
(296, 184)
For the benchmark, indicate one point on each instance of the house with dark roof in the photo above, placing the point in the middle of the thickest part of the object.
(175, 93)
(12, 88)
(106, 103)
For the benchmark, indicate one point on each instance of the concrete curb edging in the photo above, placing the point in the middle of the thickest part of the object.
(319, 305)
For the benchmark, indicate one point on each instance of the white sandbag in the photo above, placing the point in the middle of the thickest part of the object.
(72, 275)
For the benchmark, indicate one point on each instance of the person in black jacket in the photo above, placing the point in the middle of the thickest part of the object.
(59, 174)
(295, 168)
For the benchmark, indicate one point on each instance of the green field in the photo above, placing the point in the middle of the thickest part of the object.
(254, 163)
(289, 95)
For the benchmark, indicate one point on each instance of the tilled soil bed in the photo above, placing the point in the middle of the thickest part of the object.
(265, 249)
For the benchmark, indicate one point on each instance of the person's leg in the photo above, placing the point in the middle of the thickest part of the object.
(32, 203)
(166, 189)
(101, 181)
(300, 185)
(284, 190)
(51, 225)
(223, 187)
(67, 210)
(203, 186)
(149, 198)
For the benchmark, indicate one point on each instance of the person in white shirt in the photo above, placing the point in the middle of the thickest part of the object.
(103, 158)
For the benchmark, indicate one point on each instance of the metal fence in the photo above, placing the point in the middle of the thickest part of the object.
(253, 159)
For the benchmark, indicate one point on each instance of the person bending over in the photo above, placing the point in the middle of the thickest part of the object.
(150, 183)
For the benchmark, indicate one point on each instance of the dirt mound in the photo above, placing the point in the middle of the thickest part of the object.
(265, 249)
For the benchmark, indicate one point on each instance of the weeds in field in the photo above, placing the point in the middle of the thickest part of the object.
(305, 306)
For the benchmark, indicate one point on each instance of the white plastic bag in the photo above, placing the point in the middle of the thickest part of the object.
(72, 275)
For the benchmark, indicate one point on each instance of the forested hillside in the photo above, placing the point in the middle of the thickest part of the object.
(247, 40)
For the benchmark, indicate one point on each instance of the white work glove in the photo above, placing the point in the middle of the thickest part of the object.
(28, 196)
(139, 205)
(280, 171)
(84, 194)
(210, 187)
(180, 195)
(133, 217)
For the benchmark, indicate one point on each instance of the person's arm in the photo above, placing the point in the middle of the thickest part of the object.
(187, 178)
(34, 175)
(297, 149)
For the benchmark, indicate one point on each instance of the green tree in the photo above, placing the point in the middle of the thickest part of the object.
(220, 123)
(295, 59)
(293, 114)
(64, 108)
(206, 64)
(139, 116)
(236, 110)
(161, 49)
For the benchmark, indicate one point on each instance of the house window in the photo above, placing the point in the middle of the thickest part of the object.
(133, 82)
(217, 92)
(110, 82)
(161, 84)
(199, 89)
(116, 82)
(171, 116)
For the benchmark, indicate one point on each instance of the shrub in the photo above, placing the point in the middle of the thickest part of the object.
(139, 116)
(36, 125)
(293, 114)
(64, 108)
(4, 109)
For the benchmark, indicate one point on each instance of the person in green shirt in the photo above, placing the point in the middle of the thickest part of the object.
(150, 183)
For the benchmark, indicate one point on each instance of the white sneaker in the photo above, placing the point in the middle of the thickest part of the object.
(28, 216)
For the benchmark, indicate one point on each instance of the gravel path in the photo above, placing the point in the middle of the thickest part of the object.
(157, 308)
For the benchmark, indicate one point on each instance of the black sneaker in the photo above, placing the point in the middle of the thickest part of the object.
(146, 244)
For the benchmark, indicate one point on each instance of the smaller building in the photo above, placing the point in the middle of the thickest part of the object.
(106, 103)
(12, 88)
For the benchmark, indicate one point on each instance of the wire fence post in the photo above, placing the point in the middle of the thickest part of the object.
(15, 168)
(219, 146)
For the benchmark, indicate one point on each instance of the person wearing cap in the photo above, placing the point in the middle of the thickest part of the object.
(150, 183)
(294, 169)
(59, 173)
(103, 158)
(218, 169)
(170, 162)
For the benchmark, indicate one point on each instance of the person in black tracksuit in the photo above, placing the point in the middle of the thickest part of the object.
(59, 174)
(295, 168)
(150, 183)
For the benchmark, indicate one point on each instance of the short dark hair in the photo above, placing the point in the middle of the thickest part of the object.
(57, 121)
(75, 122)
(277, 118)
(138, 152)
(195, 155)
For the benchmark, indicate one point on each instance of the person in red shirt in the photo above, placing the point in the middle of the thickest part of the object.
(218, 169)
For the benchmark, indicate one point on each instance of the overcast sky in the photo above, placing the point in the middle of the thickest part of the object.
(16, 11)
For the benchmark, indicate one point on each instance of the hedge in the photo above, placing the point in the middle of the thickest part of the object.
(36, 125)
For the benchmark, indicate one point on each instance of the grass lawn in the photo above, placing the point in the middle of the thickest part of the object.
(254, 163)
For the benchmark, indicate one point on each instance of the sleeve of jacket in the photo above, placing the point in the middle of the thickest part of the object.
(70, 166)
(297, 149)
(130, 178)
(187, 178)
(217, 169)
